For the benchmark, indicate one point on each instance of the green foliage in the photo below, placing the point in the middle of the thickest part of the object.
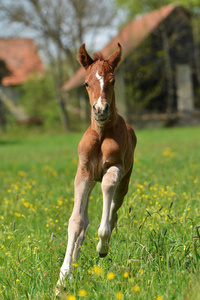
(143, 6)
(146, 91)
(39, 99)
(155, 253)
(136, 7)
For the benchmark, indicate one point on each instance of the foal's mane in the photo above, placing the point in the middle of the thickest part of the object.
(97, 56)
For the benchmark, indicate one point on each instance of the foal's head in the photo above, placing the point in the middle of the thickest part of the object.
(99, 82)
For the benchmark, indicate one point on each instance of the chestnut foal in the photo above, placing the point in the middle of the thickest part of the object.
(105, 154)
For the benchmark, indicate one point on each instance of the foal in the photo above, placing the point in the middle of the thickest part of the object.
(105, 154)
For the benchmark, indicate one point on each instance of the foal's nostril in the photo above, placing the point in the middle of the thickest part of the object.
(106, 107)
(94, 108)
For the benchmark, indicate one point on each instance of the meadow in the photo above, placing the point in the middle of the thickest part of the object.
(155, 251)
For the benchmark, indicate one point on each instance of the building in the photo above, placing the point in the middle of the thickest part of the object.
(19, 59)
(157, 79)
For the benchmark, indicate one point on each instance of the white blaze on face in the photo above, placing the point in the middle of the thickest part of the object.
(101, 80)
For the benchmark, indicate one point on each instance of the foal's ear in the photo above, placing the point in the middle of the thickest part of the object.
(115, 58)
(84, 58)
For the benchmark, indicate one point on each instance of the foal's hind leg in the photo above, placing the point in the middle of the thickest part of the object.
(78, 221)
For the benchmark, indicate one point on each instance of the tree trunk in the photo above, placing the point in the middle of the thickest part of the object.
(64, 114)
(168, 70)
(2, 117)
(57, 76)
(195, 33)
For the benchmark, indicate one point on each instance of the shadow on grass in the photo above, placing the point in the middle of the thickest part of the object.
(9, 142)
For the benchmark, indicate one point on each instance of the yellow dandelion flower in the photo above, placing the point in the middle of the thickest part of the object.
(97, 270)
(159, 298)
(47, 225)
(60, 202)
(89, 272)
(111, 275)
(38, 269)
(162, 259)
(141, 271)
(136, 288)
(75, 265)
(125, 274)
(17, 214)
(119, 295)
(82, 293)
(71, 297)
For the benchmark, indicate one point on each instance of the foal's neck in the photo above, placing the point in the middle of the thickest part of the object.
(109, 124)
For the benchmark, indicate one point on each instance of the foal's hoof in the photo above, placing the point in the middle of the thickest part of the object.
(102, 248)
(102, 255)
(60, 288)
(57, 291)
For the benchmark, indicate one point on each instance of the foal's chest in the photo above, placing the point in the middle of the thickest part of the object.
(99, 156)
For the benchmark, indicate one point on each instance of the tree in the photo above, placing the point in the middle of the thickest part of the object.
(59, 27)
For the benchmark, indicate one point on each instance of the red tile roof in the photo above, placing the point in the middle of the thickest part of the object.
(21, 58)
(130, 37)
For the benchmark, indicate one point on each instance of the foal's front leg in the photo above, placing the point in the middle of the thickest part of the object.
(109, 183)
(78, 221)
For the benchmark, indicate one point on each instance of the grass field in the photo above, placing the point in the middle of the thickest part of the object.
(155, 253)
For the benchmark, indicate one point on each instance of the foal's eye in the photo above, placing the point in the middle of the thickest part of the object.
(86, 84)
(113, 82)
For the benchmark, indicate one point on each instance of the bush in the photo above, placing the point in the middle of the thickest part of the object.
(39, 99)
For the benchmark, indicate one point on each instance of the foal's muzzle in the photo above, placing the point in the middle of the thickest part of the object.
(101, 113)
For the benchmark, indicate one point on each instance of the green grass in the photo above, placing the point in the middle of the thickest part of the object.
(155, 253)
